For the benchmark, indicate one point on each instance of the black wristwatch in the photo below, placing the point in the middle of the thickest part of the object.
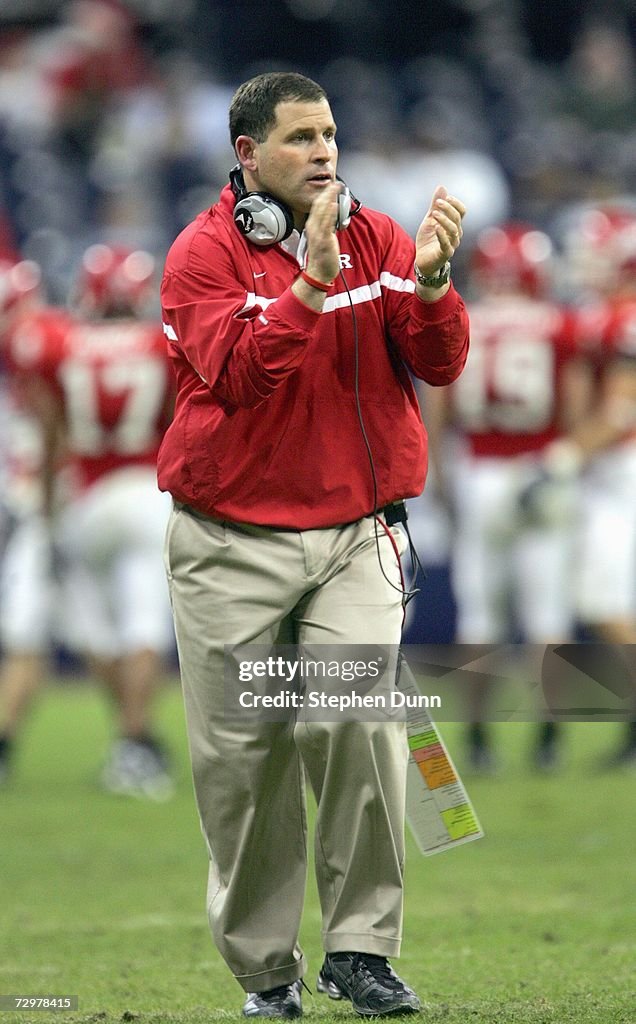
(436, 280)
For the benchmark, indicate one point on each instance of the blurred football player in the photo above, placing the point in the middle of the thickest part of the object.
(523, 385)
(111, 386)
(588, 235)
(605, 443)
(25, 578)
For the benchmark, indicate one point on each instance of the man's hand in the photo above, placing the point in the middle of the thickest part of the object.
(438, 236)
(322, 247)
(322, 243)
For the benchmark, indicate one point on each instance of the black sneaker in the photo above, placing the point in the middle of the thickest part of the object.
(623, 758)
(545, 756)
(481, 759)
(283, 1001)
(5, 752)
(369, 982)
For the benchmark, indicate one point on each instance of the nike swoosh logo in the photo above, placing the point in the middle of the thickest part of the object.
(261, 275)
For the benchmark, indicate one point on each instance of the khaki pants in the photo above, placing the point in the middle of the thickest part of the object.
(234, 584)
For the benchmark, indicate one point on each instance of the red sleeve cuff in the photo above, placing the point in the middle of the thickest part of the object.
(440, 309)
(295, 312)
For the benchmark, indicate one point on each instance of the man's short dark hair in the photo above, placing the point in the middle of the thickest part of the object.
(253, 107)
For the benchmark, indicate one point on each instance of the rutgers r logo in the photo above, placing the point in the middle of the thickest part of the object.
(345, 261)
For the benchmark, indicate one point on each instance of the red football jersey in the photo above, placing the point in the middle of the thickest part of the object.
(114, 383)
(20, 452)
(508, 399)
(607, 333)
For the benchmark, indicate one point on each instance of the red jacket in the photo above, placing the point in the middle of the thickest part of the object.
(266, 428)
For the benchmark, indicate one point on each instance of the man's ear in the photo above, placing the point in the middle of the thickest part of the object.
(245, 147)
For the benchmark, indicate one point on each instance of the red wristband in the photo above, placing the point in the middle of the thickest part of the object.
(320, 285)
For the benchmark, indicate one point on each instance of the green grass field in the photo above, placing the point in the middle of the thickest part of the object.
(104, 898)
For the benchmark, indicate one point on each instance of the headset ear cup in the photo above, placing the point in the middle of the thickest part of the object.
(344, 209)
(262, 219)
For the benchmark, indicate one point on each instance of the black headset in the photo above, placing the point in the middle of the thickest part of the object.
(265, 220)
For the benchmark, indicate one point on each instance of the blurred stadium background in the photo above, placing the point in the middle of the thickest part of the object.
(113, 128)
(113, 116)
(113, 122)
